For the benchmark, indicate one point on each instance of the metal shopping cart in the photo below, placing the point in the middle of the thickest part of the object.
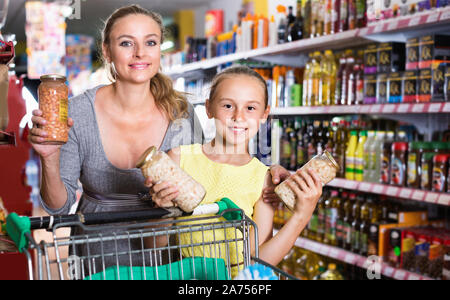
(213, 243)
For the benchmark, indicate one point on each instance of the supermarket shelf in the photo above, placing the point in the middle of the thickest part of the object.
(358, 260)
(387, 30)
(393, 191)
(398, 108)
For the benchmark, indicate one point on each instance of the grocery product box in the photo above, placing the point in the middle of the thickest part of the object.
(382, 88)
(412, 53)
(391, 57)
(413, 217)
(409, 86)
(394, 94)
(447, 83)
(370, 86)
(433, 48)
(431, 82)
(371, 59)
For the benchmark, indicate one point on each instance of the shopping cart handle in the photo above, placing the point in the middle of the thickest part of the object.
(18, 228)
(235, 212)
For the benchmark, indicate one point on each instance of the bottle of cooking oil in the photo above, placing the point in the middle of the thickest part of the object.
(316, 266)
(314, 79)
(359, 156)
(331, 273)
(321, 212)
(328, 68)
(350, 156)
(306, 74)
(331, 207)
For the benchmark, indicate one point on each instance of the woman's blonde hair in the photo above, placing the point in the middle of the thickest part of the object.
(172, 102)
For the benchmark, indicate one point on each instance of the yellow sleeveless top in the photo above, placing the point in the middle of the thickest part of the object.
(242, 184)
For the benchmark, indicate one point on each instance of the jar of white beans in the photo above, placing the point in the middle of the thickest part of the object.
(159, 167)
(53, 96)
(324, 165)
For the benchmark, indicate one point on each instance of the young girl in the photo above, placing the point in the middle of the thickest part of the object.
(238, 102)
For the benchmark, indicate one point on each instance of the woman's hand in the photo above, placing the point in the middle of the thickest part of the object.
(163, 193)
(278, 174)
(308, 188)
(37, 135)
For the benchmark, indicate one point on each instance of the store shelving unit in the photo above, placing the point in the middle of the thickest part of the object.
(357, 260)
(396, 29)
(426, 116)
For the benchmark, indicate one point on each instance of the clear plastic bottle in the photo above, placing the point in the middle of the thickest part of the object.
(314, 78)
(371, 138)
(328, 79)
(306, 74)
(375, 157)
(331, 273)
(350, 156)
(359, 156)
(339, 80)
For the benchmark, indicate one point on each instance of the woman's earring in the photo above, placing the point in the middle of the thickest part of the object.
(114, 71)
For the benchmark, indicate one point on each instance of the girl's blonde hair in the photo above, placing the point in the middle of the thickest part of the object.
(173, 103)
(235, 71)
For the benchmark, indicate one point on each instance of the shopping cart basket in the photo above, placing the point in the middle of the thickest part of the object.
(205, 246)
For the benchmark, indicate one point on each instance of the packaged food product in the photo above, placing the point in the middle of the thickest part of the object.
(324, 165)
(53, 96)
(436, 257)
(408, 255)
(447, 83)
(395, 88)
(433, 48)
(422, 250)
(446, 267)
(398, 163)
(425, 170)
(409, 86)
(425, 85)
(370, 59)
(159, 167)
(416, 150)
(381, 88)
(370, 88)
(412, 53)
(439, 173)
(391, 57)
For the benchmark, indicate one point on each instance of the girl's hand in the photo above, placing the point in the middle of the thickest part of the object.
(308, 188)
(162, 193)
(278, 174)
(37, 135)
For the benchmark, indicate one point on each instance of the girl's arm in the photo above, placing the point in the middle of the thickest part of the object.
(308, 189)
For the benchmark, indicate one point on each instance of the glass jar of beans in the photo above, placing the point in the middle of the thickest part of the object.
(53, 96)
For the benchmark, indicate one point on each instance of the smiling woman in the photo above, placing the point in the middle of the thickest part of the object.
(112, 125)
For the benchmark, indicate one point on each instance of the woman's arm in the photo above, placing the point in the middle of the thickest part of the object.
(308, 189)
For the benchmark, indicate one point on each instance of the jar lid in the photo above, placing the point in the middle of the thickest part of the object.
(400, 146)
(330, 157)
(53, 77)
(440, 158)
(146, 156)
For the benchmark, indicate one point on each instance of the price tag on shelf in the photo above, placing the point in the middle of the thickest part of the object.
(431, 197)
(350, 259)
(392, 25)
(323, 250)
(434, 107)
(433, 17)
(350, 184)
(418, 108)
(378, 189)
(446, 107)
(405, 193)
(392, 191)
(334, 253)
(445, 15)
(415, 21)
(363, 31)
(364, 109)
(444, 199)
(388, 108)
(379, 27)
(399, 274)
(376, 108)
(418, 195)
(365, 187)
(402, 108)
(388, 271)
(413, 276)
